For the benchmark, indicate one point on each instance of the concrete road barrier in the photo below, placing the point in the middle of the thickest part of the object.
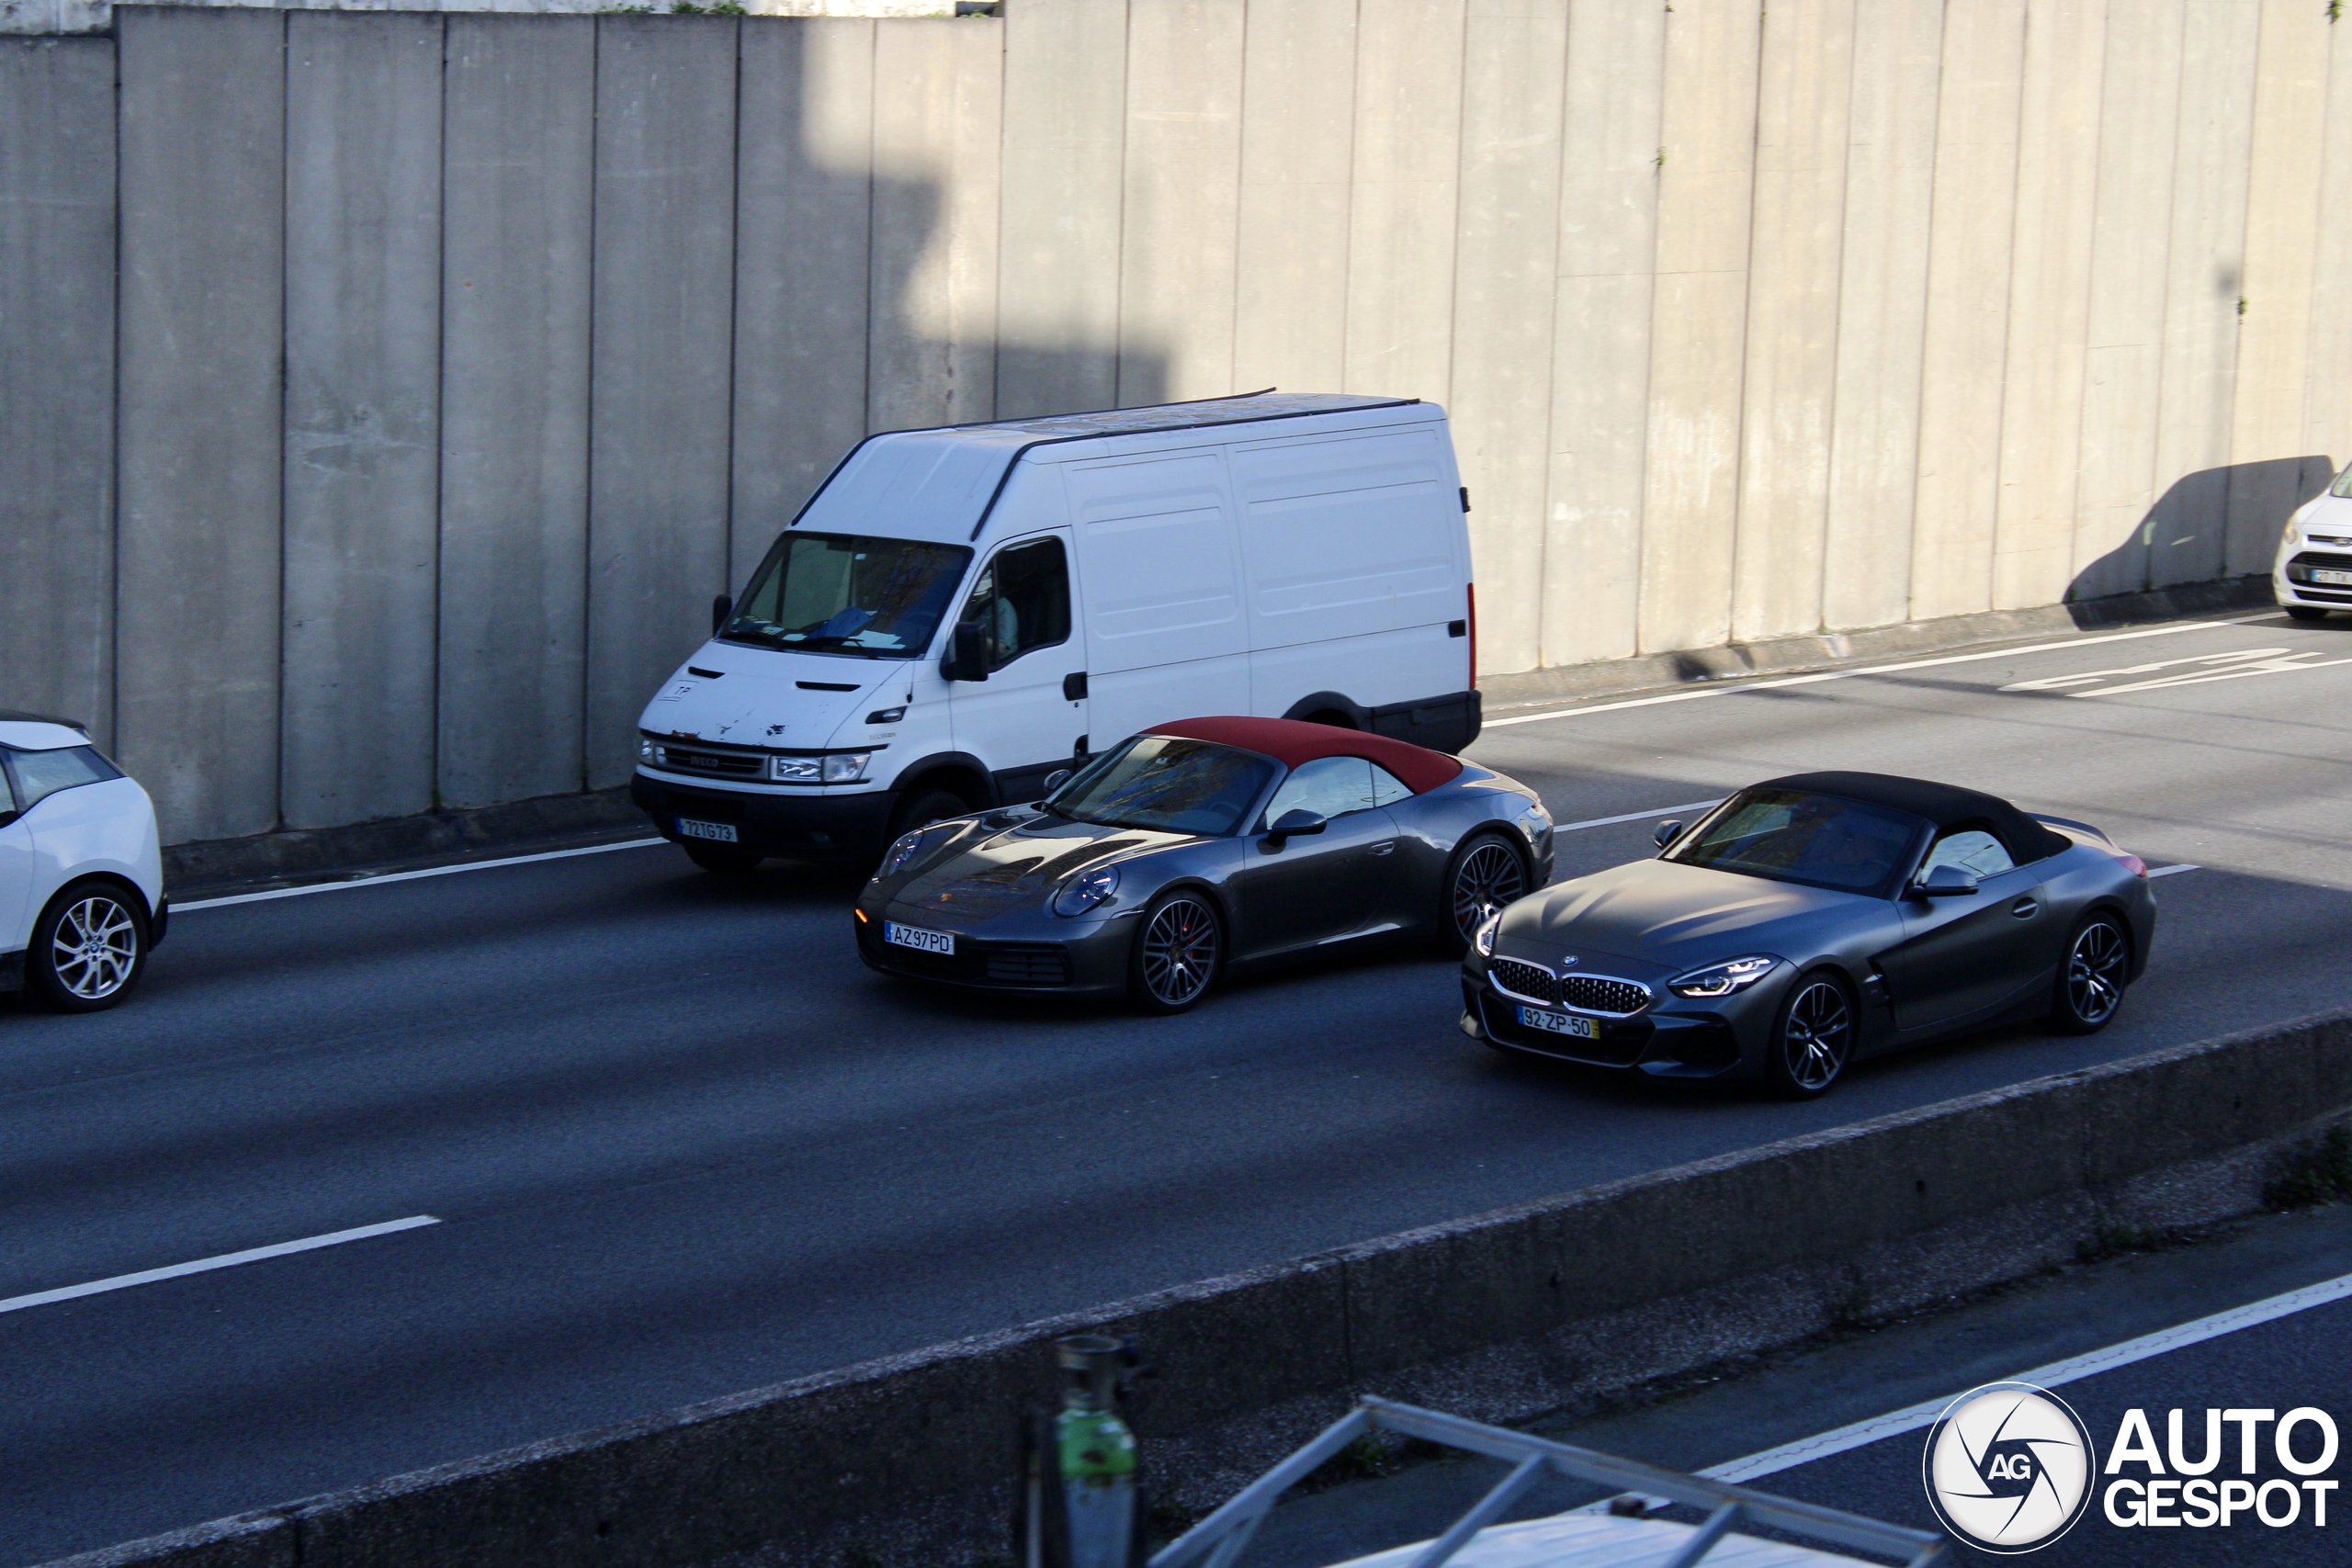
(1502, 1315)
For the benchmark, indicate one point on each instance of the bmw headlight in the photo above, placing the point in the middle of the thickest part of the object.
(1723, 979)
(1484, 937)
(1087, 889)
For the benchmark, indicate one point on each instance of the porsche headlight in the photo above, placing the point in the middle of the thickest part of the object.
(1723, 979)
(906, 846)
(1484, 937)
(1087, 889)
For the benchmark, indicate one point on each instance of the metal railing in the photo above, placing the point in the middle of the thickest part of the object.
(1219, 1539)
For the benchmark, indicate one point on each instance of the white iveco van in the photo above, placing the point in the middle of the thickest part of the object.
(958, 613)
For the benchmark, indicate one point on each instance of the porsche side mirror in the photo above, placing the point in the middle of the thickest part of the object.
(1292, 825)
(720, 608)
(1056, 779)
(967, 653)
(1948, 882)
(1666, 832)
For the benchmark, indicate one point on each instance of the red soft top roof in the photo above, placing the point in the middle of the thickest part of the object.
(1291, 741)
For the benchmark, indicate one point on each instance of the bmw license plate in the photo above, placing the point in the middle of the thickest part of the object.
(919, 939)
(718, 832)
(2333, 578)
(1559, 1023)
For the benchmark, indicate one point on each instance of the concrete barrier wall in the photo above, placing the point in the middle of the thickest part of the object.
(1502, 1315)
(458, 359)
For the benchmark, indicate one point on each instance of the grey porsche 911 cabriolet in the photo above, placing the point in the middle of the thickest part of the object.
(1811, 920)
(1203, 848)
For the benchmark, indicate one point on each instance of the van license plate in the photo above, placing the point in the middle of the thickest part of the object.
(919, 939)
(2334, 578)
(718, 832)
(1559, 1023)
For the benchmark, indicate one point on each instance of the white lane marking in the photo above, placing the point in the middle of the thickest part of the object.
(1727, 689)
(2172, 870)
(206, 1265)
(1635, 816)
(2213, 666)
(2074, 1369)
(179, 909)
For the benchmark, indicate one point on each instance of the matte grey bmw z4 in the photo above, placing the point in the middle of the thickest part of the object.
(1809, 921)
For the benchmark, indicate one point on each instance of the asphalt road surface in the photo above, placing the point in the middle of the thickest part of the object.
(680, 1143)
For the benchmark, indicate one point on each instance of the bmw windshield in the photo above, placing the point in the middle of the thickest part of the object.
(870, 598)
(1817, 840)
(1176, 786)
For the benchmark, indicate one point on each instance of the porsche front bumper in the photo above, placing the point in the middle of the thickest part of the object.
(1043, 955)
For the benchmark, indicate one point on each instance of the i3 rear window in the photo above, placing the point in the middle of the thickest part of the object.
(36, 775)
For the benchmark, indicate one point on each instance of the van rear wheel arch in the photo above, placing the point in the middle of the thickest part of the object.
(1332, 708)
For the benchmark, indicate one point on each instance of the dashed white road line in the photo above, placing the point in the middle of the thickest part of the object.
(1633, 815)
(206, 1265)
(180, 908)
(2172, 870)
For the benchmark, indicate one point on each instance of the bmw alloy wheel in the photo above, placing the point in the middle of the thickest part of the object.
(1180, 952)
(94, 949)
(1816, 1036)
(2096, 962)
(1486, 879)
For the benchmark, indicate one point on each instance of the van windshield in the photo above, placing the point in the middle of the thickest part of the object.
(871, 598)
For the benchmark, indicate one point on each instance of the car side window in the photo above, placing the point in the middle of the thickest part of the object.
(40, 774)
(1972, 850)
(7, 794)
(1328, 786)
(1021, 600)
(1387, 789)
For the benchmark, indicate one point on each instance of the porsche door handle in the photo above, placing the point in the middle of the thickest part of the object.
(2025, 909)
(1388, 848)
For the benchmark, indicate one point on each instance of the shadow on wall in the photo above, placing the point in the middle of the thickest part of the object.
(2211, 525)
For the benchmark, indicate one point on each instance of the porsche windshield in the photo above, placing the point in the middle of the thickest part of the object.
(846, 594)
(1159, 781)
(1817, 840)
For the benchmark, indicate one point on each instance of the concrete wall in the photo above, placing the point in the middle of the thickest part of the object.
(1498, 1316)
(458, 359)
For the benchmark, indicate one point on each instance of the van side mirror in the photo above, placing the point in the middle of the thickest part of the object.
(967, 653)
(1666, 832)
(1948, 882)
(720, 608)
(1292, 825)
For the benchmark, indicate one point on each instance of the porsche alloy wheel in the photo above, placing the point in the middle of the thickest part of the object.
(1815, 1039)
(2090, 990)
(1488, 875)
(1177, 954)
(89, 949)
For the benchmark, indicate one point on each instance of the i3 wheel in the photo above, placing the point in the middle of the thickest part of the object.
(1813, 1040)
(1486, 874)
(2304, 611)
(720, 861)
(2090, 987)
(88, 948)
(1178, 951)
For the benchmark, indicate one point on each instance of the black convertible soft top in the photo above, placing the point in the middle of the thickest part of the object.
(1946, 805)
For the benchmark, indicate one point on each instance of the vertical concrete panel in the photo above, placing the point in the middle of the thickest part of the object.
(1803, 99)
(1706, 185)
(2050, 284)
(660, 379)
(1505, 272)
(1297, 131)
(1882, 312)
(1065, 118)
(1403, 203)
(938, 99)
(203, 145)
(2207, 280)
(1600, 329)
(2327, 406)
(2130, 237)
(803, 266)
(1181, 203)
(519, 140)
(57, 298)
(362, 443)
(1969, 259)
(2267, 482)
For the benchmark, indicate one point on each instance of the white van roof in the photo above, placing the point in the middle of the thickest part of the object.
(937, 484)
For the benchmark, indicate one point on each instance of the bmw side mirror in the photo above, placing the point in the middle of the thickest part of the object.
(967, 653)
(1292, 825)
(1666, 832)
(720, 608)
(1056, 779)
(1948, 882)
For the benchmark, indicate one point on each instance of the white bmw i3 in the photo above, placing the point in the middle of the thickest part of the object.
(81, 868)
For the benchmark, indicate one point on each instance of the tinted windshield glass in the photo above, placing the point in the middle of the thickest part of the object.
(846, 594)
(1814, 838)
(1185, 787)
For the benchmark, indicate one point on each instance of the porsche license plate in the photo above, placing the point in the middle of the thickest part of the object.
(2333, 578)
(1559, 1023)
(718, 832)
(919, 939)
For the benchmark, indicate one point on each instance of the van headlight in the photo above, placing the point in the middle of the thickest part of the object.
(647, 753)
(1723, 979)
(1086, 890)
(837, 767)
(1484, 937)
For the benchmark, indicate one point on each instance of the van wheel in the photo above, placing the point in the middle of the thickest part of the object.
(720, 861)
(925, 806)
(1331, 716)
(89, 948)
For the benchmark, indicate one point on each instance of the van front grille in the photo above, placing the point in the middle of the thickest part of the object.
(708, 762)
